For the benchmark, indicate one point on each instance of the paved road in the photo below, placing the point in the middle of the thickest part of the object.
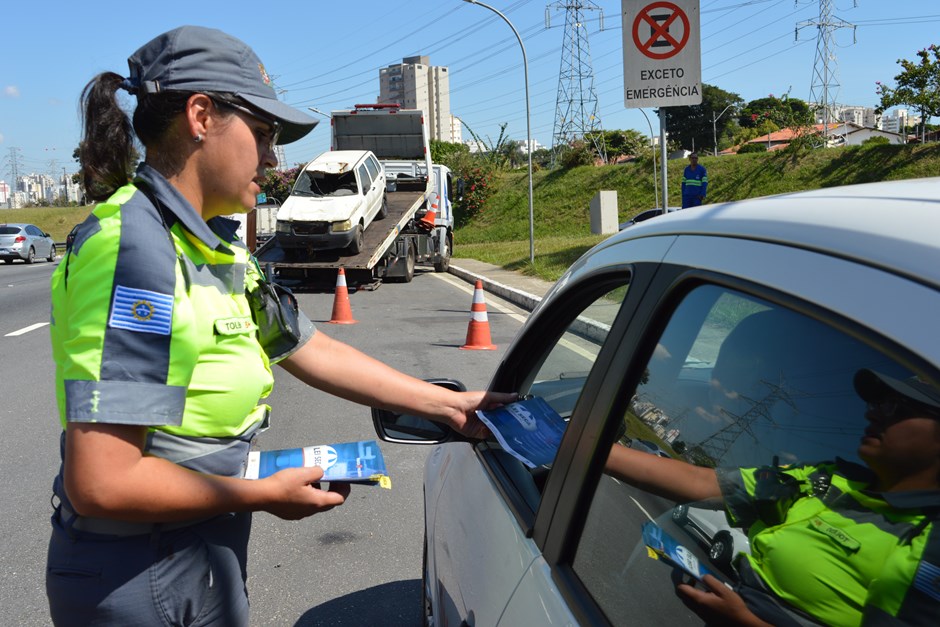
(359, 564)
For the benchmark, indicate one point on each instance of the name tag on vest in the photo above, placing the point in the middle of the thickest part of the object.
(835, 533)
(235, 326)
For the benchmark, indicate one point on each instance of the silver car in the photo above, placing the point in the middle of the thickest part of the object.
(26, 242)
(731, 331)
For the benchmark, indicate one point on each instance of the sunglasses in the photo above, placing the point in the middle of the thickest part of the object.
(896, 409)
(270, 140)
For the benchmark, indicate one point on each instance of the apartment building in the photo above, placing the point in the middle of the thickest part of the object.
(416, 84)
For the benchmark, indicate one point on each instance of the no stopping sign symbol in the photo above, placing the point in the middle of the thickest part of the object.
(661, 30)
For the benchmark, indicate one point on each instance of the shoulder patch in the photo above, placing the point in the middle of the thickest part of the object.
(927, 580)
(141, 310)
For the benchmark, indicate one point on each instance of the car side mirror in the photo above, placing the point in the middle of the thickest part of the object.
(407, 429)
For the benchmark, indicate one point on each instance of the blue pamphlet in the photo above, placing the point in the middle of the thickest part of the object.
(529, 430)
(662, 546)
(354, 462)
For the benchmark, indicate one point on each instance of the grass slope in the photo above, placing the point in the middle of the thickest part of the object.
(561, 198)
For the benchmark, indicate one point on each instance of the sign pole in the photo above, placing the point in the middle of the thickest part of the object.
(662, 61)
(663, 157)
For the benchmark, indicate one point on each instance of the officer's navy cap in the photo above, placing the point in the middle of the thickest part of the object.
(198, 59)
(875, 387)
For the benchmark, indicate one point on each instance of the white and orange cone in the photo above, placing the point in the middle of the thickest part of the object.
(427, 221)
(342, 312)
(478, 331)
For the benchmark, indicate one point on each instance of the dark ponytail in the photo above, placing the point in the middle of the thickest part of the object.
(107, 149)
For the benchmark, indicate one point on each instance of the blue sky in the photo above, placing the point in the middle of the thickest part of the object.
(327, 55)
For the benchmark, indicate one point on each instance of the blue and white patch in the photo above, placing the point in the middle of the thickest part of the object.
(927, 580)
(142, 311)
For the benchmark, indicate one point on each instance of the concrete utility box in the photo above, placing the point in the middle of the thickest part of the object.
(604, 212)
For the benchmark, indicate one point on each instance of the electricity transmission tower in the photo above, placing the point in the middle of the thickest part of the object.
(719, 443)
(15, 175)
(576, 102)
(824, 87)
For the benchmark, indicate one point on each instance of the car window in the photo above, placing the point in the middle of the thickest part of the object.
(9, 230)
(317, 183)
(373, 167)
(559, 363)
(365, 179)
(734, 382)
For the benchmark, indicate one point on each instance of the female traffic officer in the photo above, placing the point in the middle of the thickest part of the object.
(163, 334)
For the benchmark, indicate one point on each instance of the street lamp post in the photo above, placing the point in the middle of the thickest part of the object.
(715, 127)
(528, 125)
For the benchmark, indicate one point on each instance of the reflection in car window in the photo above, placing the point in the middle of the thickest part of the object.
(558, 370)
(560, 375)
(736, 384)
(365, 179)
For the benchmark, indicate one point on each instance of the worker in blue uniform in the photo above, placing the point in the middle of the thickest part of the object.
(694, 183)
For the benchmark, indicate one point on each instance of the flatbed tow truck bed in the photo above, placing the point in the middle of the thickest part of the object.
(359, 269)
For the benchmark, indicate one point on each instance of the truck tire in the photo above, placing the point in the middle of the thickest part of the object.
(409, 264)
(355, 246)
(444, 264)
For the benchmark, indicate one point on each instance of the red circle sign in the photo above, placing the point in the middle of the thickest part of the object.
(660, 44)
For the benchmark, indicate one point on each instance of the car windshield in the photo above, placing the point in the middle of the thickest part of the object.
(318, 184)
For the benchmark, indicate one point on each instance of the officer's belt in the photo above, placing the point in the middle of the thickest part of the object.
(107, 526)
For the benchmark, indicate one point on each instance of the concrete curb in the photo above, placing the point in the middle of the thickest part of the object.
(513, 295)
(582, 325)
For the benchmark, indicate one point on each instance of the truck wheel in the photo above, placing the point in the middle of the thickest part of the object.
(409, 265)
(444, 264)
(355, 246)
(383, 212)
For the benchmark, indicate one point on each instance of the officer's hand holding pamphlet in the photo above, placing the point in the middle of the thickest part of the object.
(351, 462)
(530, 430)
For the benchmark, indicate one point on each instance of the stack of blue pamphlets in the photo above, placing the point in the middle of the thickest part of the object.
(353, 462)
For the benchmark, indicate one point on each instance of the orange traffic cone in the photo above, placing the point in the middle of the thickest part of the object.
(478, 331)
(342, 313)
(427, 220)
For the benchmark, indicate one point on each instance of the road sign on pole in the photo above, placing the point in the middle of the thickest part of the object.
(662, 58)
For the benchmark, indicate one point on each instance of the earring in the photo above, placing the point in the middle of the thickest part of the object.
(197, 138)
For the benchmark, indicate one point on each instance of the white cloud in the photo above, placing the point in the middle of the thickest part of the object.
(1, 138)
(11, 91)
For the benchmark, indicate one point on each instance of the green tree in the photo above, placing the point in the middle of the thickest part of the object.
(447, 153)
(918, 86)
(621, 143)
(784, 112)
(278, 183)
(697, 125)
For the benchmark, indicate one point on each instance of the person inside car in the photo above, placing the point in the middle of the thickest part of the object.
(831, 543)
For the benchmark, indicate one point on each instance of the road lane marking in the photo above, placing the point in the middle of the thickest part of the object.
(464, 287)
(25, 330)
(642, 510)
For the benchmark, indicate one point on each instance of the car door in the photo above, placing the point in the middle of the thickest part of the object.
(727, 361)
(369, 205)
(482, 514)
(38, 240)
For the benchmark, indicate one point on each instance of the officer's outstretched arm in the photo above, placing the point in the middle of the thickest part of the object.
(669, 478)
(107, 475)
(343, 371)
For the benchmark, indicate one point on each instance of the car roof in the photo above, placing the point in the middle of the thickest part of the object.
(333, 156)
(19, 224)
(893, 224)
